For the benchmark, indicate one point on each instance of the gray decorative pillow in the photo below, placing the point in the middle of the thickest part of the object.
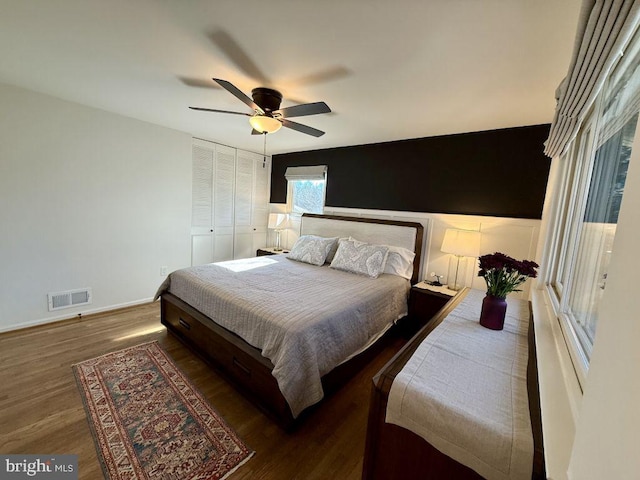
(334, 249)
(361, 258)
(312, 249)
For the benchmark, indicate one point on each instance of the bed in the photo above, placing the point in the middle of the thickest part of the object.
(285, 331)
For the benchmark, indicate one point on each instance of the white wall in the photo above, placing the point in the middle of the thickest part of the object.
(89, 199)
(513, 236)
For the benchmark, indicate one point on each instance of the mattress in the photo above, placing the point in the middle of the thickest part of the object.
(304, 318)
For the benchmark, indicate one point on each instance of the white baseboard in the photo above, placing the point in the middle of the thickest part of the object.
(44, 321)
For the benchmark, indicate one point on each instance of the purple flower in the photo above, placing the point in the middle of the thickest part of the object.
(528, 268)
(504, 274)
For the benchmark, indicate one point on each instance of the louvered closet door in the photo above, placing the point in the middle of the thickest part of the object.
(223, 195)
(213, 184)
(202, 204)
(230, 203)
(250, 219)
(244, 193)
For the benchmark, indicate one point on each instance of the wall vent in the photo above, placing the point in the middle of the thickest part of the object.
(68, 299)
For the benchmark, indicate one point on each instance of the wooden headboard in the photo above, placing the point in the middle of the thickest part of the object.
(408, 235)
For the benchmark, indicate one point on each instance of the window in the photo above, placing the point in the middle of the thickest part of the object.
(594, 172)
(306, 189)
(597, 231)
(307, 196)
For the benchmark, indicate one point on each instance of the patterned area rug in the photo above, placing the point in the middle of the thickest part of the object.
(149, 422)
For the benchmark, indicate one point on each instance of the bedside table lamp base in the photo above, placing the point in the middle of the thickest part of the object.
(278, 247)
(278, 222)
(455, 272)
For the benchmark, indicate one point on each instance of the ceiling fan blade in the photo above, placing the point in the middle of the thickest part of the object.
(255, 132)
(304, 109)
(301, 128)
(327, 75)
(198, 83)
(219, 111)
(236, 92)
(238, 56)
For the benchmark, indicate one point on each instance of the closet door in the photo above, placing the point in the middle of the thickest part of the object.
(230, 203)
(202, 238)
(251, 204)
(245, 181)
(213, 184)
(223, 197)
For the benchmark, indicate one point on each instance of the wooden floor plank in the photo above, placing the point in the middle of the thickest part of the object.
(41, 409)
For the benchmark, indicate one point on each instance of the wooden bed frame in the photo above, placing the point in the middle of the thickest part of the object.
(394, 452)
(242, 364)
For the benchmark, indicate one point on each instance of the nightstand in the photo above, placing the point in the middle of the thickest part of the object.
(269, 251)
(424, 302)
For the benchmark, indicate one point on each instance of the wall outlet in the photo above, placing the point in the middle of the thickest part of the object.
(164, 270)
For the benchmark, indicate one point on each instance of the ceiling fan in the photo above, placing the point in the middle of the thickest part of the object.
(267, 115)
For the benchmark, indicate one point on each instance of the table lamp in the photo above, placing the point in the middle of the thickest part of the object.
(460, 244)
(278, 222)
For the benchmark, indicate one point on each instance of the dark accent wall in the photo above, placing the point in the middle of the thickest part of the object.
(499, 173)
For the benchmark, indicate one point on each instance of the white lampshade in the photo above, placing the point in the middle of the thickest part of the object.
(463, 243)
(460, 243)
(265, 124)
(278, 220)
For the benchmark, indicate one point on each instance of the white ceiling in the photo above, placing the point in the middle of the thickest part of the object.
(389, 69)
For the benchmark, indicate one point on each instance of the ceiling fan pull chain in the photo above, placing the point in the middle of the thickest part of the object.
(264, 151)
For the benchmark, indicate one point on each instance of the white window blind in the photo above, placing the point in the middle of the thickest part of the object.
(605, 27)
(315, 172)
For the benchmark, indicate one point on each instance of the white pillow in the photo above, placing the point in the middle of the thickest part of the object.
(361, 258)
(312, 249)
(400, 262)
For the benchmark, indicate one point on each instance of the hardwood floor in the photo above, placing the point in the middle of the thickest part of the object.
(41, 411)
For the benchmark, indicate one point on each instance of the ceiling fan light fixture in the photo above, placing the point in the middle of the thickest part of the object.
(267, 115)
(265, 124)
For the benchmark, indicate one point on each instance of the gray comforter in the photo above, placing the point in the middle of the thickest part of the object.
(305, 319)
